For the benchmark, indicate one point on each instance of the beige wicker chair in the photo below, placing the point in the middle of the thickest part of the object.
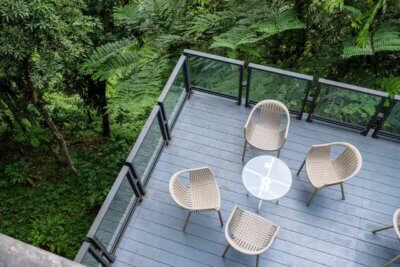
(202, 193)
(249, 233)
(396, 226)
(324, 171)
(263, 127)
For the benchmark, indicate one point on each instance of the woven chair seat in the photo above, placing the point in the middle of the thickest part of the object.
(201, 193)
(249, 233)
(265, 138)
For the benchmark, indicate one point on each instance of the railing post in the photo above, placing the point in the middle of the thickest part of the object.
(385, 116)
(163, 127)
(313, 103)
(305, 100)
(378, 110)
(249, 72)
(186, 76)
(103, 250)
(164, 119)
(136, 184)
(241, 85)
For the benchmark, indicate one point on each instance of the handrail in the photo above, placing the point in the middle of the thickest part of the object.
(281, 72)
(353, 87)
(172, 78)
(213, 57)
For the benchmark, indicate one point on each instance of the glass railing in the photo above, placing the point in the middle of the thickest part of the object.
(89, 256)
(390, 124)
(290, 88)
(347, 105)
(214, 74)
(174, 93)
(148, 145)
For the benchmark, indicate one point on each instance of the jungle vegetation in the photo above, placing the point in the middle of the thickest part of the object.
(79, 77)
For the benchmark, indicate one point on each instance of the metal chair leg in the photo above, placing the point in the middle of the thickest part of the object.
(187, 220)
(220, 217)
(244, 150)
(392, 261)
(257, 260)
(301, 167)
(381, 229)
(312, 197)
(226, 250)
(341, 187)
(279, 153)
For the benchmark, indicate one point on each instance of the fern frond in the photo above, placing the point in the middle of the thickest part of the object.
(386, 39)
(127, 14)
(332, 5)
(363, 34)
(205, 22)
(284, 21)
(110, 59)
(391, 85)
(235, 37)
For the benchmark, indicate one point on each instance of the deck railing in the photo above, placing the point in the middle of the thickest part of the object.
(324, 100)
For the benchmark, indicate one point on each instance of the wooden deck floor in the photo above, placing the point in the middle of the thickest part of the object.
(209, 132)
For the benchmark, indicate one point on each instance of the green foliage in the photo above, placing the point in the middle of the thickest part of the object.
(390, 84)
(363, 33)
(18, 172)
(385, 39)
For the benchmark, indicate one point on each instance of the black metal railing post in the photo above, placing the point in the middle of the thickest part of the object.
(186, 76)
(163, 127)
(240, 85)
(378, 110)
(305, 100)
(164, 120)
(97, 243)
(96, 254)
(249, 72)
(313, 103)
(135, 182)
(378, 128)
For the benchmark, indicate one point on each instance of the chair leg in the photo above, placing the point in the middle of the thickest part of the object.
(381, 229)
(341, 187)
(279, 153)
(220, 217)
(392, 261)
(312, 197)
(301, 167)
(257, 260)
(244, 150)
(226, 250)
(187, 220)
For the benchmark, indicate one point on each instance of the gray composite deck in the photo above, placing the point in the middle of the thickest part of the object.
(209, 132)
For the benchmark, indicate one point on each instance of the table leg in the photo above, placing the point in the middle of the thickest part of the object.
(277, 201)
(259, 206)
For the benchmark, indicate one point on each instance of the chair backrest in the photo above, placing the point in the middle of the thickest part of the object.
(349, 162)
(396, 222)
(178, 191)
(271, 113)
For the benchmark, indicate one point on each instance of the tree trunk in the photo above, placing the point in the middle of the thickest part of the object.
(40, 106)
(103, 108)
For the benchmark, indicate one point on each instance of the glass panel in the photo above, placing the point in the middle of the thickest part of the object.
(175, 97)
(116, 214)
(89, 260)
(346, 105)
(290, 91)
(148, 150)
(392, 122)
(214, 75)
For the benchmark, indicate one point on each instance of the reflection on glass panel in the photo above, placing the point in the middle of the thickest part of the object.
(89, 260)
(175, 97)
(346, 105)
(290, 91)
(116, 214)
(148, 150)
(392, 122)
(214, 75)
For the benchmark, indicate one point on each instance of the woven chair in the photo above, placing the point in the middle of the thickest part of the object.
(201, 194)
(263, 129)
(396, 226)
(249, 233)
(324, 171)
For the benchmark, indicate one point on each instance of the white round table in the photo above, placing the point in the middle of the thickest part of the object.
(266, 178)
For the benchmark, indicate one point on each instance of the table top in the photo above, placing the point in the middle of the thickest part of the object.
(267, 177)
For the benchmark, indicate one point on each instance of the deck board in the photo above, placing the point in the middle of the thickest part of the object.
(331, 232)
